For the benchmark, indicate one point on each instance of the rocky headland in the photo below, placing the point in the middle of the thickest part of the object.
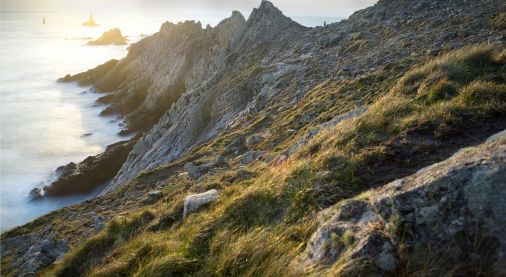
(89, 174)
(374, 146)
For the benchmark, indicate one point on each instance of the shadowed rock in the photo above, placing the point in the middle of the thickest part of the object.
(89, 174)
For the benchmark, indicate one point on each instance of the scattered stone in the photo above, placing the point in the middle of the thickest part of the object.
(124, 132)
(193, 202)
(31, 253)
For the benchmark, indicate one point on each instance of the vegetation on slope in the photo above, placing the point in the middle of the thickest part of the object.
(267, 211)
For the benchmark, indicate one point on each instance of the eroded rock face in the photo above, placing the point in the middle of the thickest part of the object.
(33, 252)
(143, 85)
(193, 202)
(461, 198)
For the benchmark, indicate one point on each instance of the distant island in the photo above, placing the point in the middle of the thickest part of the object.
(90, 22)
(111, 37)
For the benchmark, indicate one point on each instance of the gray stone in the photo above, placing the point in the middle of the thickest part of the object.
(98, 223)
(220, 160)
(195, 201)
(193, 171)
(32, 253)
(250, 157)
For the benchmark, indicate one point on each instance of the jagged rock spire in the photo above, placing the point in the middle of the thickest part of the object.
(268, 13)
(265, 24)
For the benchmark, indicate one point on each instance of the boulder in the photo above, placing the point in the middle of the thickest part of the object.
(195, 201)
(220, 161)
(193, 171)
(250, 157)
(461, 198)
(111, 37)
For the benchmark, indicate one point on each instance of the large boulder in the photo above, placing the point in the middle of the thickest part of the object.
(452, 204)
(194, 202)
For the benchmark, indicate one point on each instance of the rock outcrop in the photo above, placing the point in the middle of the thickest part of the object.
(92, 172)
(31, 253)
(457, 205)
(111, 37)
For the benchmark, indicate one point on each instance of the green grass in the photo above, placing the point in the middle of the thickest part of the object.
(261, 224)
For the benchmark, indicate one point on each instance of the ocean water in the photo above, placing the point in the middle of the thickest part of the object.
(43, 123)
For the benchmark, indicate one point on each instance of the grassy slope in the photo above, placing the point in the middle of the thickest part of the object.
(267, 211)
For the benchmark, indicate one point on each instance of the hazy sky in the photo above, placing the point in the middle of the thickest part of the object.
(332, 8)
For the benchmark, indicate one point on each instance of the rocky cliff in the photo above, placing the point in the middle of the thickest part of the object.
(318, 150)
(254, 63)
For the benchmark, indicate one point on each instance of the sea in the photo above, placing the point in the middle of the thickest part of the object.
(45, 124)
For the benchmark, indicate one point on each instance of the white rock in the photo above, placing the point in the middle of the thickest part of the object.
(195, 201)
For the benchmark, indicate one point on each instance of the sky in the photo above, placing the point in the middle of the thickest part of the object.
(329, 8)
